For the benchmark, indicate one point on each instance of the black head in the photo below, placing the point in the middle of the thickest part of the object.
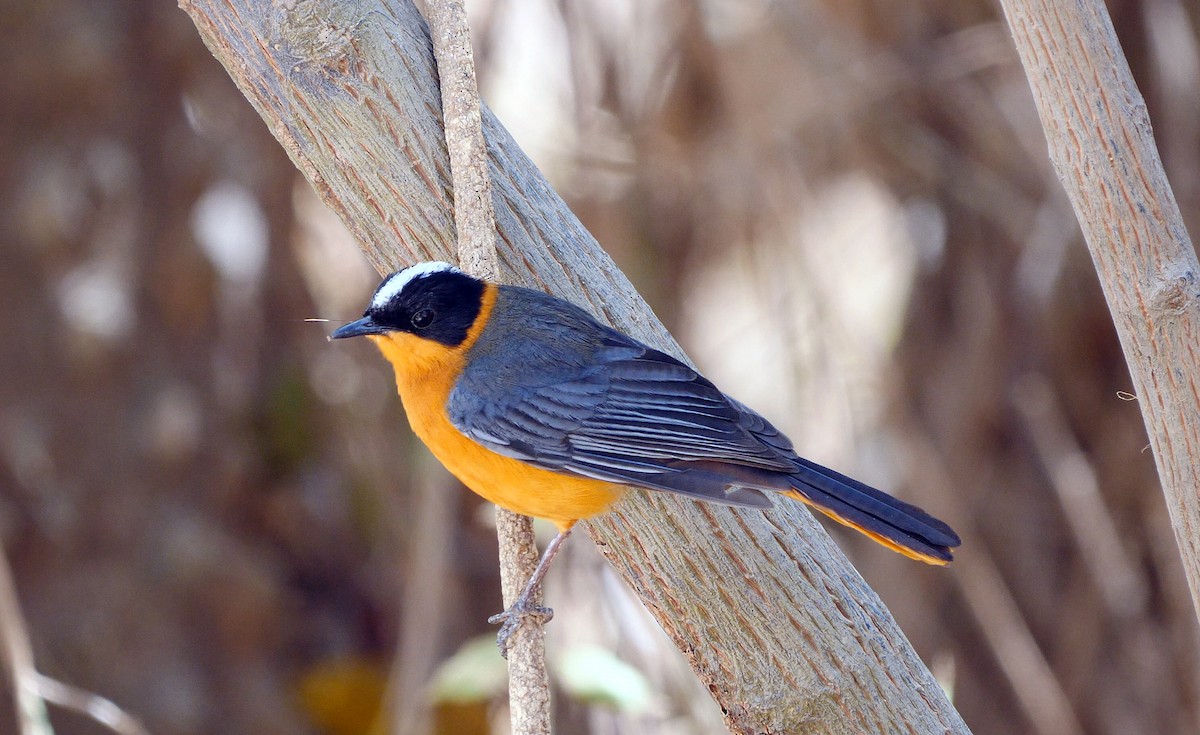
(435, 301)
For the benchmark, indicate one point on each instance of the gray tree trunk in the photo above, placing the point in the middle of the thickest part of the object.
(1100, 140)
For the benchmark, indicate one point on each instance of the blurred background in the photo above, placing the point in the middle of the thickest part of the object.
(843, 210)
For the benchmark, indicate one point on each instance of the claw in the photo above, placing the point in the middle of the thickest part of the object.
(511, 620)
(523, 609)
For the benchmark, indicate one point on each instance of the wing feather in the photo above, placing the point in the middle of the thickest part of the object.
(547, 384)
(620, 412)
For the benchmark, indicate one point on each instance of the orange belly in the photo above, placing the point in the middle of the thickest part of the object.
(425, 375)
(507, 482)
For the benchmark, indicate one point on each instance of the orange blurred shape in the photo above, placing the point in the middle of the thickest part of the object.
(345, 696)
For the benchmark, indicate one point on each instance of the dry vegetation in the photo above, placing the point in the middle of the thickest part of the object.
(845, 212)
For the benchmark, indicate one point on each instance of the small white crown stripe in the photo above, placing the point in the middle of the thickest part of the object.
(396, 282)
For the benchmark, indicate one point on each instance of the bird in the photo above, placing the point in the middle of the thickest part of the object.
(541, 409)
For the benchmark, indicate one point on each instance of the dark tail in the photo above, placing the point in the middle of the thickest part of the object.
(895, 524)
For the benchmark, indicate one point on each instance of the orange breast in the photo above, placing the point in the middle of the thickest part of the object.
(425, 375)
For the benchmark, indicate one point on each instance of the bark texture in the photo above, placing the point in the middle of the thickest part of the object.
(1102, 146)
(774, 620)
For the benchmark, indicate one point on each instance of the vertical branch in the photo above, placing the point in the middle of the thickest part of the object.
(474, 219)
(528, 682)
(1103, 150)
(474, 215)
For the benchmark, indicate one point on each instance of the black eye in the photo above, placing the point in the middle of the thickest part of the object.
(422, 318)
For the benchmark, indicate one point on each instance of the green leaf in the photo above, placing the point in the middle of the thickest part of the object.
(595, 675)
(475, 673)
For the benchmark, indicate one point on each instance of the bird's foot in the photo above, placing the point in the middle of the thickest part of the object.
(522, 611)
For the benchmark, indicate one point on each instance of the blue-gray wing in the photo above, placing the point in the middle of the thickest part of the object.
(602, 405)
(547, 384)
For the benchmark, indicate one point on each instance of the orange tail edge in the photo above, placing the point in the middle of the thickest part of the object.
(873, 535)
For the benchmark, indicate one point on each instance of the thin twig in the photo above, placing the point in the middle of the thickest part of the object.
(32, 717)
(33, 690)
(474, 219)
(474, 214)
(528, 681)
(100, 709)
